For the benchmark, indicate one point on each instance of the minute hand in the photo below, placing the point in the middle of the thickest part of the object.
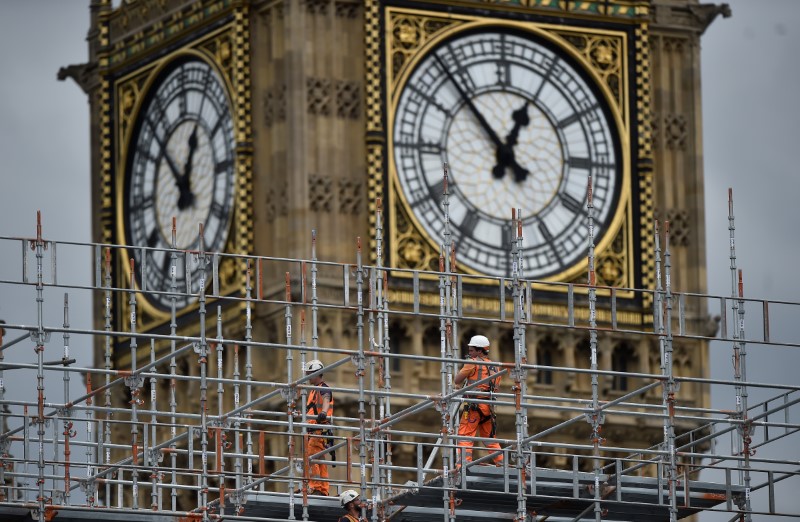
(485, 124)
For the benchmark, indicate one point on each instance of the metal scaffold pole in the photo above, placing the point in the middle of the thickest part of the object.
(360, 371)
(173, 364)
(450, 462)
(743, 428)
(669, 383)
(42, 337)
(519, 374)
(291, 407)
(597, 416)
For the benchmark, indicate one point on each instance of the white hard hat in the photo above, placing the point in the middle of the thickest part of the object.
(348, 496)
(479, 341)
(314, 365)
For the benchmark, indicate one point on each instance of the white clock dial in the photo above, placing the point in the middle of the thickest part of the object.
(520, 127)
(181, 165)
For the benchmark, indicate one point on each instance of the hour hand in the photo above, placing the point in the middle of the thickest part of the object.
(505, 152)
(186, 198)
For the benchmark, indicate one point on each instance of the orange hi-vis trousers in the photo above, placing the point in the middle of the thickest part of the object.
(477, 423)
(317, 473)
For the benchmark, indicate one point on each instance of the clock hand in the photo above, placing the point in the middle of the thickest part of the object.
(163, 147)
(505, 154)
(485, 124)
(186, 198)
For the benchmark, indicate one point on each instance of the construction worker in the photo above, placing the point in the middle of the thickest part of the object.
(319, 410)
(352, 506)
(478, 418)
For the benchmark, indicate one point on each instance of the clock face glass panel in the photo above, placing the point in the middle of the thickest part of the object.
(181, 166)
(521, 128)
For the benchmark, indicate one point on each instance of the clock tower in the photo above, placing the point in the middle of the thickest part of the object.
(265, 119)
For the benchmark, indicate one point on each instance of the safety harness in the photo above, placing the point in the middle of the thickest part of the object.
(483, 371)
(314, 406)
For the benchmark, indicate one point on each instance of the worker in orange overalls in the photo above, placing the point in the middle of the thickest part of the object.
(478, 419)
(319, 409)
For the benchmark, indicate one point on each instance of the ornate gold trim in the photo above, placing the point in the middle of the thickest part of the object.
(403, 27)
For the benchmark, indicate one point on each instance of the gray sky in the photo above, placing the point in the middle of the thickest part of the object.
(751, 117)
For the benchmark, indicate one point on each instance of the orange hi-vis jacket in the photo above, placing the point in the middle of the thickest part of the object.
(349, 518)
(316, 401)
(476, 372)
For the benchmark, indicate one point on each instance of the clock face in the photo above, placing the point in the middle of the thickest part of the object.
(521, 128)
(180, 165)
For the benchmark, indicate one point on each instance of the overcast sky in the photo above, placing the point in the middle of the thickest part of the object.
(751, 119)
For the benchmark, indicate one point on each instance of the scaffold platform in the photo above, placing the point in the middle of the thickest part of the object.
(128, 449)
(490, 494)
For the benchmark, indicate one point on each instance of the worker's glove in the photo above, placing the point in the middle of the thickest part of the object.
(322, 417)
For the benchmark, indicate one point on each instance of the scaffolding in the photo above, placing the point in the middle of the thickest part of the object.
(70, 458)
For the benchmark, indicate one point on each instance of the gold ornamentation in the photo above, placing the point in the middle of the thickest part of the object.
(644, 113)
(409, 33)
(413, 251)
(605, 56)
(129, 94)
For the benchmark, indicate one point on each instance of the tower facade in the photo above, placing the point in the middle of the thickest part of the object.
(265, 120)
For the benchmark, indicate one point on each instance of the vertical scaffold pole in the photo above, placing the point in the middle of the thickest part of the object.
(596, 419)
(519, 374)
(304, 392)
(290, 406)
(360, 370)
(221, 433)
(155, 474)
(237, 424)
(314, 304)
(202, 350)
(739, 366)
(38, 245)
(381, 284)
(446, 352)
(659, 327)
(132, 382)
(248, 366)
(173, 365)
(669, 441)
(67, 411)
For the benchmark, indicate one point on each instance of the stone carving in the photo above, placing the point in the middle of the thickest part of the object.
(275, 203)
(351, 196)
(317, 7)
(318, 96)
(675, 133)
(348, 99)
(274, 105)
(678, 226)
(346, 8)
(320, 193)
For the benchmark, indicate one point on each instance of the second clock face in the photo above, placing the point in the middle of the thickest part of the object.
(521, 128)
(181, 165)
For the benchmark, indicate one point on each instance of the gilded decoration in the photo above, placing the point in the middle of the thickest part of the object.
(413, 251)
(611, 266)
(410, 33)
(143, 25)
(129, 95)
(644, 118)
(605, 55)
